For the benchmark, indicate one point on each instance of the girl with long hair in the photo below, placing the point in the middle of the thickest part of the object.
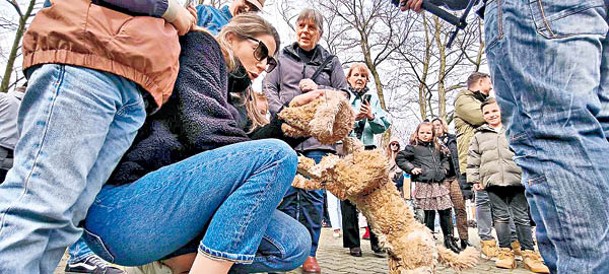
(426, 161)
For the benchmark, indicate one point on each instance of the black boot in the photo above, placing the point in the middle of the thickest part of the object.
(450, 243)
(447, 230)
(464, 244)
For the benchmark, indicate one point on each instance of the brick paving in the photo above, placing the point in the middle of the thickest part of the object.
(334, 259)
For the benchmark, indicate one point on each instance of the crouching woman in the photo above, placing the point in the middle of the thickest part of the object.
(193, 187)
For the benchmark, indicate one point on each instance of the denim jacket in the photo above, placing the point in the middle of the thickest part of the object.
(213, 19)
(365, 129)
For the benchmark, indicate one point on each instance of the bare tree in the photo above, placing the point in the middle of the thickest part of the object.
(24, 16)
(430, 57)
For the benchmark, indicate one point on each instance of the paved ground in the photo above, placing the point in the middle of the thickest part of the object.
(335, 259)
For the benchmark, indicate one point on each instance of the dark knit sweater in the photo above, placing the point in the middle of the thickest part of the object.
(196, 118)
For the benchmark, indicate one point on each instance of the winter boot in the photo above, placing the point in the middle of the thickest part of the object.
(465, 244)
(506, 259)
(533, 262)
(450, 243)
(517, 250)
(489, 249)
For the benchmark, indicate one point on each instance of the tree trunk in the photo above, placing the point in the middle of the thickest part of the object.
(8, 71)
(442, 70)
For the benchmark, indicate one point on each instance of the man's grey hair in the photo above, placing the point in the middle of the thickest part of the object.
(313, 15)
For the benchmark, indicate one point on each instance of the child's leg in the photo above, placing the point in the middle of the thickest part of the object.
(501, 215)
(446, 222)
(520, 214)
(75, 125)
(430, 218)
(484, 218)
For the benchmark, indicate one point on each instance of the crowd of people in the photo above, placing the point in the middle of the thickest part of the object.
(138, 140)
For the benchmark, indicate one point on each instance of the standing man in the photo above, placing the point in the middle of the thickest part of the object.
(214, 19)
(468, 117)
(551, 70)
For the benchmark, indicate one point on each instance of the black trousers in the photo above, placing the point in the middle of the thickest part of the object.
(2, 175)
(446, 222)
(351, 227)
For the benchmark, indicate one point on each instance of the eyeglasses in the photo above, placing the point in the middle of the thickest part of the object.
(262, 52)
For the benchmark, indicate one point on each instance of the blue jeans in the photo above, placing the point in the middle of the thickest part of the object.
(75, 125)
(510, 207)
(484, 218)
(79, 251)
(223, 200)
(307, 206)
(549, 62)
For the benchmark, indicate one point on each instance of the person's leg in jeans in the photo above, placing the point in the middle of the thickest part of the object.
(83, 260)
(307, 205)
(284, 246)
(556, 112)
(501, 214)
(228, 194)
(75, 125)
(484, 219)
(78, 251)
(459, 205)
(513, 232)
(520, 215)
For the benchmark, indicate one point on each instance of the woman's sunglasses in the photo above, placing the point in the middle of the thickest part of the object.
(262, 52)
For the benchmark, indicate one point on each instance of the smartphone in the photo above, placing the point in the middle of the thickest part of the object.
(366, 99)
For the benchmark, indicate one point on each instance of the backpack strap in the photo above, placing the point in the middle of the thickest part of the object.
(321, 67)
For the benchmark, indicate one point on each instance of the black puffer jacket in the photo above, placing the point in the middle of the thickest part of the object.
(450, 141)
(433, 163)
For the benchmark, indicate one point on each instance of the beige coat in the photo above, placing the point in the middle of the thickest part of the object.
(490, 160)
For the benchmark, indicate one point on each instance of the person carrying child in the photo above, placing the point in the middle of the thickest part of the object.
(490, 166)
(427, 162)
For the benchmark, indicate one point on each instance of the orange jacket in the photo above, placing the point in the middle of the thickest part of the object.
(142, 49)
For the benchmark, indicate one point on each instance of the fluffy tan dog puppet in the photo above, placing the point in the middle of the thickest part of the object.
(363, 178)
(328, 118)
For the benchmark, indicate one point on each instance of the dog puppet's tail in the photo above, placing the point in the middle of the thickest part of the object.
(468, 258)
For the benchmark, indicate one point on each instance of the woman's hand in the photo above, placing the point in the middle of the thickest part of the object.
(307, 85)
(416, 171)
(306, 98)
(365, 111)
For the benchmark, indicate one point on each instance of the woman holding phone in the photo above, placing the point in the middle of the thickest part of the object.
(369, 120)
